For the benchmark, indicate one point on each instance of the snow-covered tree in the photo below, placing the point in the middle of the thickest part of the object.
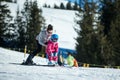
(5, 26)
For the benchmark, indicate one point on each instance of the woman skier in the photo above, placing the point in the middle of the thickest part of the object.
(41, 40)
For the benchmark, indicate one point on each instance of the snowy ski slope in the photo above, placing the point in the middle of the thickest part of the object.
(10, 71)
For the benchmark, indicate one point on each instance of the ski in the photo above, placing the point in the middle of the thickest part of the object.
(45, 65)
(34, 64)
(38, 65)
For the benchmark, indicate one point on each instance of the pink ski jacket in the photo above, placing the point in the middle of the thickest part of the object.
(52, 47)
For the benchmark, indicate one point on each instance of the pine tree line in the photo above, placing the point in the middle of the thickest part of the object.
(5, 18)
(68, 6)
(24, 28)
(99, 43)
(12, 1)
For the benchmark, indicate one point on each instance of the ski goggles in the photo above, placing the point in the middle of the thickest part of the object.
(49, 32)
(55, 40)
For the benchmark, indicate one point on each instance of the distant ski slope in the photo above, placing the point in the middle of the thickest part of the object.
(9, 71)
(63, 22)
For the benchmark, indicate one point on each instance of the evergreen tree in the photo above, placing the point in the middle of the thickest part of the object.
(88, 44)
(5, 19)
(114, 33)
(107, 15)
(33, 22)
(36, 22)
(75, 7)
(84, 39)
(62, 6)
(49, 6)
(26, 17)
(21, 29)
(110, 20)
(45, 5)
(7, 0)
(56, 7)
(68, 6)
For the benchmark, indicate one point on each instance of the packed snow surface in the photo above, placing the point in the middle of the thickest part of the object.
(11, 71)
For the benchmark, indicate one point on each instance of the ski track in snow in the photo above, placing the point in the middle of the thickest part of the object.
(11, 71)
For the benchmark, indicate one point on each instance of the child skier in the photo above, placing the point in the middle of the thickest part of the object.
(71, 61)
(52, 50)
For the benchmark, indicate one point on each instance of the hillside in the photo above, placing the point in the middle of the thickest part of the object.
(63, 22)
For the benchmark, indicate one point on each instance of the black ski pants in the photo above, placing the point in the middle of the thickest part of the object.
(35, 52)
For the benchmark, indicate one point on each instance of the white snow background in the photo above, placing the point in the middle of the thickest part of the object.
(10, 71)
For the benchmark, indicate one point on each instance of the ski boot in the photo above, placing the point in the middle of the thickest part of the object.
(50, 63)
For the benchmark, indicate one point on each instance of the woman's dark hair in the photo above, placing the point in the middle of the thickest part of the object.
(50, 27)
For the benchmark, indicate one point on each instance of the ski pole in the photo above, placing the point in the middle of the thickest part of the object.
(25, 50)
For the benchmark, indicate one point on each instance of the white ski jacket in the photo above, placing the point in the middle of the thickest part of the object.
(42, 37)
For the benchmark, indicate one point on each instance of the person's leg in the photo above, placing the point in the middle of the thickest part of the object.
(75, 63)
(31, 56)
(50, 58)
(60, 60)
(55, 58)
